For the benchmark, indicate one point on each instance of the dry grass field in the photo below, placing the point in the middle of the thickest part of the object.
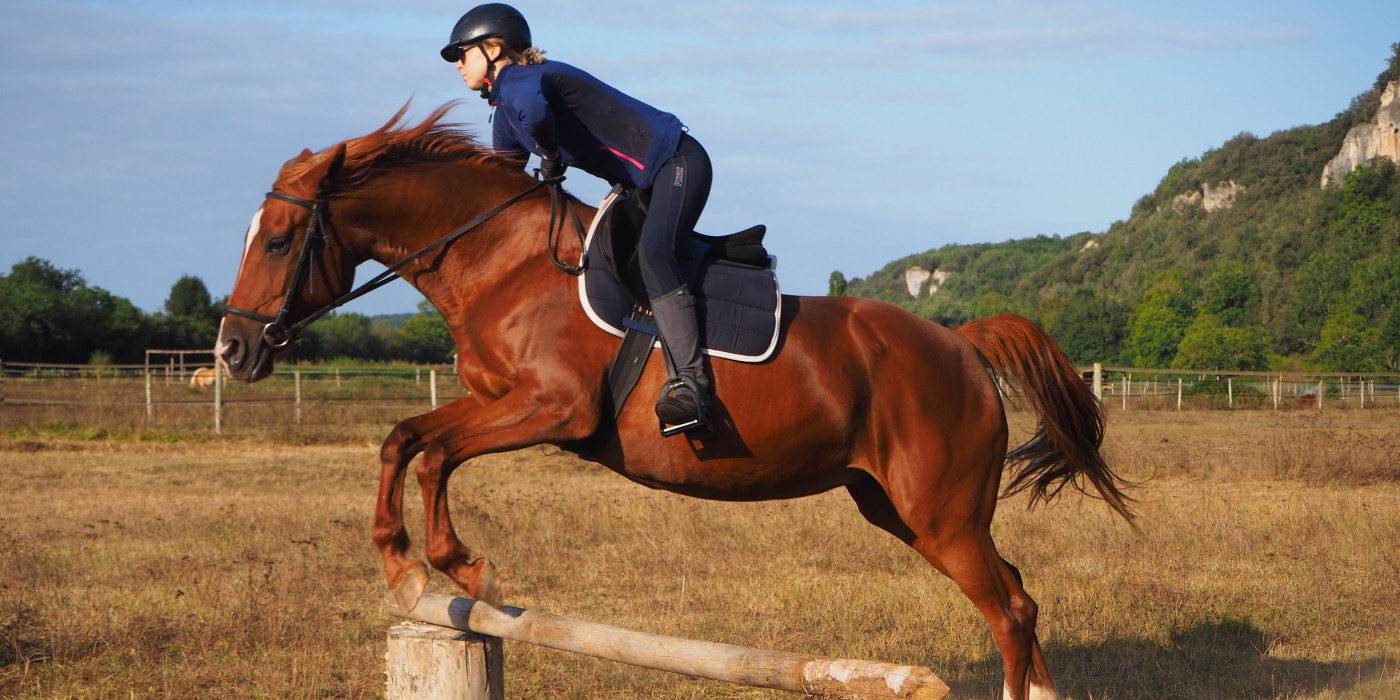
(1267, 566)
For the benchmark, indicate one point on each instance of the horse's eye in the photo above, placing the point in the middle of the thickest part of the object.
(277, 245)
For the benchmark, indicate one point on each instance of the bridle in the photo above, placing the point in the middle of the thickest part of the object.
(277, 333)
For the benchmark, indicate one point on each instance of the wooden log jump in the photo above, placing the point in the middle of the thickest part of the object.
(816, 676)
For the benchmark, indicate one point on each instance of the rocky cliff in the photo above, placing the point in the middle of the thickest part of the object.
(1378, 137)
(1210, 197)
(915, 277)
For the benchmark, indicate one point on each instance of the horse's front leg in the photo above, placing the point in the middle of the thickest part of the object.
(407, 577)
(525, 416)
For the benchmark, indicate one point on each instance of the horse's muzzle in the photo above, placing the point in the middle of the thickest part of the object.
(246, 361)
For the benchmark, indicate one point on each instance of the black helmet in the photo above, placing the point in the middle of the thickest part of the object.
(493, 19)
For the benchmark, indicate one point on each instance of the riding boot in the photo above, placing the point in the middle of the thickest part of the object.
(684, 403)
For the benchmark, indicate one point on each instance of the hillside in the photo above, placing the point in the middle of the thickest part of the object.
(1277, 252)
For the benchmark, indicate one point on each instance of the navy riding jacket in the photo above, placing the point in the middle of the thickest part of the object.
(554, 107)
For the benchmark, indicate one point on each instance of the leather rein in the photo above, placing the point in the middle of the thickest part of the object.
(277, 333)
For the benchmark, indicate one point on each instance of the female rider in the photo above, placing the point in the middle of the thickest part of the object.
(569, 118)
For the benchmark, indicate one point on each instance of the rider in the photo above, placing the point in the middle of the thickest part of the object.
(568, 117)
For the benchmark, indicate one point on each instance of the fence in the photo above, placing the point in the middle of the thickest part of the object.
(162, 397)
(1161, 389)
(428, 661)
(307, 399)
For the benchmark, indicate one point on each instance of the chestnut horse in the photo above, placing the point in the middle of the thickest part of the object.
(901, 412)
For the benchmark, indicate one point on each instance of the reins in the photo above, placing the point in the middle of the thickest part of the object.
(278, 334)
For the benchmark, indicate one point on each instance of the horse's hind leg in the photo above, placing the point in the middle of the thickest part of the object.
(875, 506)
(1025, 610)
(969, 557)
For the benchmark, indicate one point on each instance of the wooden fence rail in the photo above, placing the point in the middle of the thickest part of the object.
(123, 397)
(417, 657)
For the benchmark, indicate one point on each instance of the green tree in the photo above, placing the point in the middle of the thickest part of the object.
(1090, 328)
(128, 332)
(1209, 344)
(338, 335)
(836, 285)
(182, 332)
(424, 337)
(1365, 208)
(189, 298)
(48, 314)
(1321, 285)
(991, 303)
(1231, 293)
(1159, 322)
(191, 319)
(1349, 343)
(1390, 340)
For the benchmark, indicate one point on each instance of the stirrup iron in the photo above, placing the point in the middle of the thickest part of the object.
(698, 424)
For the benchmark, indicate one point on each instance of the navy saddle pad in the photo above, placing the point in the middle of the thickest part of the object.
(739, 306)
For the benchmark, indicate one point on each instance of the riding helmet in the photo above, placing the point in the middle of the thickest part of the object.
(493, 19)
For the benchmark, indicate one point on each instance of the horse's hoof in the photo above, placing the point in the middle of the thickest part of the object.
(410, 588)
(488, 586)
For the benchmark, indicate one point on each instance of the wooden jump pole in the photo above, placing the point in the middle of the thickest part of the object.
(817, 676)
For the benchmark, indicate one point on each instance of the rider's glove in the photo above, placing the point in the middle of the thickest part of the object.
(552, 169)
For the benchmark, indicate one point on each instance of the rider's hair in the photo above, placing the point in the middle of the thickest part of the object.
(530, 56)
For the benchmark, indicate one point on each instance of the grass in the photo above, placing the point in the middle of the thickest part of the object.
(1265, 567)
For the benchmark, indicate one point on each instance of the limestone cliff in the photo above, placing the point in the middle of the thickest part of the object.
(915, 277)
(1378, 137)
(1215, 197)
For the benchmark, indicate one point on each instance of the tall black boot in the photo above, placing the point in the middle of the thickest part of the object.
(685, 399)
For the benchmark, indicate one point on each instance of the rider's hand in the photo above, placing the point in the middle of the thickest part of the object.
(552, 169)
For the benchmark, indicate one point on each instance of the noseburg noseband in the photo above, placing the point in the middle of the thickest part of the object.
(276, 332)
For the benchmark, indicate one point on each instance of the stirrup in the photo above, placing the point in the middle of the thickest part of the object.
(698, 424)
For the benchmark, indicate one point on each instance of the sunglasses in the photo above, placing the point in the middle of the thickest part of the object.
(468, 48)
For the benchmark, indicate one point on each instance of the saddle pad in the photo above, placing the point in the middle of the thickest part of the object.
(739, 309)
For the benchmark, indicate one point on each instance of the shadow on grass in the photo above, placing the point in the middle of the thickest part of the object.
(1226, 659)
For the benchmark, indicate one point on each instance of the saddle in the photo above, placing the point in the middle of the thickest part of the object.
(738, 305)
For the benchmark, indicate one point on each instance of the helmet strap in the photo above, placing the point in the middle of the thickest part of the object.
(490, 78)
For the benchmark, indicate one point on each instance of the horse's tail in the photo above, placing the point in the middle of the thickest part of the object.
(1065, 447)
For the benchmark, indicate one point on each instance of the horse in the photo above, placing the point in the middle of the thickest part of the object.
(901, 412)
(205, 376)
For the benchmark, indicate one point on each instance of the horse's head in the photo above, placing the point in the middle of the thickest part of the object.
(291, 269)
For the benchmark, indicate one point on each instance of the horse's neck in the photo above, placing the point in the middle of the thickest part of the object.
(487, 260)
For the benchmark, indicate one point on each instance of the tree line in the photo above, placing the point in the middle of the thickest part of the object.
(49, 314)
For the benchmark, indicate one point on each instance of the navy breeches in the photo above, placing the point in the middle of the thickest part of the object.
(677, 196)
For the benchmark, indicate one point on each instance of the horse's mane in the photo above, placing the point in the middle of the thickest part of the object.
(395, 144)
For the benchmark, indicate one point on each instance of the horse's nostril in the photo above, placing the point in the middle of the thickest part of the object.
(234, 353)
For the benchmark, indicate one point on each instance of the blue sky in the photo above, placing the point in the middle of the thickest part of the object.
(138, 136)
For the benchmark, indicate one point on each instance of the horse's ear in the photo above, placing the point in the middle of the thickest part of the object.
(319, 176)
(333, 163)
